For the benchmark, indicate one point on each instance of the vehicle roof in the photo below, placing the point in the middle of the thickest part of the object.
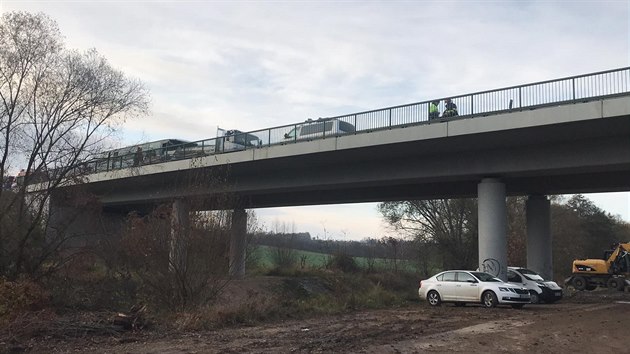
(238, 132)
(518, 268)
(462, 270)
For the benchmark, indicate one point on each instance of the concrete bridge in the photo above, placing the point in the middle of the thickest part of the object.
(555, 146)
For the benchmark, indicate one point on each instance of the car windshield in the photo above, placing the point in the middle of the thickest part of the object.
(485, 277)
(530, 274)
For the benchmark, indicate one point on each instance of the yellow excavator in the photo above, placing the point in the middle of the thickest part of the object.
(613, 271)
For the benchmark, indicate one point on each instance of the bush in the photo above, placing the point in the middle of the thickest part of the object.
(284, 258)
(94, 294)
(301, 294)
(256, 308)
(175, 271)
(343, 262)
(19, 296)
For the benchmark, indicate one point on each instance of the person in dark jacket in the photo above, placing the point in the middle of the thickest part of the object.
(450, 109)
(138, 157)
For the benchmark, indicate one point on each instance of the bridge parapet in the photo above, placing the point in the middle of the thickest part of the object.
(564, 91)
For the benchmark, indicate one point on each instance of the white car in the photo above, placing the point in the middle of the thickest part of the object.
(539, 288)
(320, 128)
(463, 286)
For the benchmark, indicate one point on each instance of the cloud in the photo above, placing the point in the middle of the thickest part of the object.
(253, 65)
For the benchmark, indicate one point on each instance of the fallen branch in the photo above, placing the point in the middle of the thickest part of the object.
(132, 320)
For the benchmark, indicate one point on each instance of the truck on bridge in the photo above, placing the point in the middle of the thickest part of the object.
(233, 140)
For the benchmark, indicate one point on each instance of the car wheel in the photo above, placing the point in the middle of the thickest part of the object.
(518, 306)
(534, 298)
(579, 283)
(434, 298)
(489, 299)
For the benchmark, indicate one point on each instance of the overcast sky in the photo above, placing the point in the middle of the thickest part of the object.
(250, 65)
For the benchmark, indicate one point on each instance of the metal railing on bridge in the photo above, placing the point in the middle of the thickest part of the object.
(568, 90)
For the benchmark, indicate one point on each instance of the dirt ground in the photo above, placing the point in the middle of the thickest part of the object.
(595, 321)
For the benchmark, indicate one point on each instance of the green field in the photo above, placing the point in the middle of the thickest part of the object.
(263, 256)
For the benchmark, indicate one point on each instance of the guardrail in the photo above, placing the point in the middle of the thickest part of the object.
(582, 88)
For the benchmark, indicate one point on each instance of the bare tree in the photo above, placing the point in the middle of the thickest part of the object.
(450, 224)
(370, 255)
(393, 245)
(516, 231)
(179, 253)
(424, 255)
(195, 276)
(56, 108)
(284, 256)
(582, 230)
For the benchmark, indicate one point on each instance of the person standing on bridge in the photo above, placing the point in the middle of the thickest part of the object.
(450, 109)
(434, 111)
(137, 157)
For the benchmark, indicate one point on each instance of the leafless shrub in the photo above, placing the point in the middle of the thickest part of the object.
(192, 277)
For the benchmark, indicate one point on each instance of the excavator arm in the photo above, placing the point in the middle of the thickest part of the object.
(617, 262)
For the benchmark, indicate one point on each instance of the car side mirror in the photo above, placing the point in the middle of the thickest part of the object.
(471, 281)
(287, 136)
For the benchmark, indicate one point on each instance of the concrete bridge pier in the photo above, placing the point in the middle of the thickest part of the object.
(492, 214)
(539, 241)
(180, 232)
(238, 243)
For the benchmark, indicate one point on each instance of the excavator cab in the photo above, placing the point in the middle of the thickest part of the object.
(621, 264)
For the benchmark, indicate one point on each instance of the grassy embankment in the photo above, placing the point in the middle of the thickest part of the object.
(264, 259)
(325, 285)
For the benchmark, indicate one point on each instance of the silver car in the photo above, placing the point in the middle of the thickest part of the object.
(463, 286)
(539, 288)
